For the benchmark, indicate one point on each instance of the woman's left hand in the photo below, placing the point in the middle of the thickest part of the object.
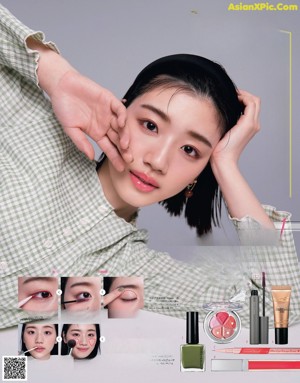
(236, 139)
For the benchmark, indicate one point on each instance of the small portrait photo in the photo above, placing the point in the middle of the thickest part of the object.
(124, 296)
(38, 340)
(38, 294)
(81, 341)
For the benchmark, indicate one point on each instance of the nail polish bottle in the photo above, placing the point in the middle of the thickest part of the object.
(192, 354)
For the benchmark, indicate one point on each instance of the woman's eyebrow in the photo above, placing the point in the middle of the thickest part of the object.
(128, 286)
(158, 111)
(33, 279)
(88, 284)
(199, 137)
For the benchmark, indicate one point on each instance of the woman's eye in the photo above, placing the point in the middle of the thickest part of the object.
(189, 150)
(150, 126)
(128, 296)
(48, 333)
(30, 332)
(75, 334)
(84, 296)
(42, 295)
(91, 335)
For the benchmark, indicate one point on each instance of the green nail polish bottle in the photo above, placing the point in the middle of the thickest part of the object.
(192, 354)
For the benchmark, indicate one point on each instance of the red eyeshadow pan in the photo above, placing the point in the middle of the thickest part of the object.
(222, 326)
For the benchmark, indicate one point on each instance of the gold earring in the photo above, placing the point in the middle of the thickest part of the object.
(189, 190)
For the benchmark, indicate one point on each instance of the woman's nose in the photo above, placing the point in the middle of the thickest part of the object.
(39, 338)
(157, 157)
(83, 340)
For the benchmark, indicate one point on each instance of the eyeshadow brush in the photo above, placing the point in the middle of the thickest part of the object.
(23, 301)
(24, 352)
(76, 301)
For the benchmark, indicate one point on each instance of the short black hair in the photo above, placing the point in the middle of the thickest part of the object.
(209, 80)
(54, 350)
(65, 350)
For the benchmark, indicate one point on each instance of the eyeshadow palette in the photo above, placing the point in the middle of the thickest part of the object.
(222, 324)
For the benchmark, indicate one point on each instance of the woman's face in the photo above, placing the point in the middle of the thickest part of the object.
(42, 337)
(130, 301)
(172, 135)
(38, 293)
(85, 336)
(84, 290)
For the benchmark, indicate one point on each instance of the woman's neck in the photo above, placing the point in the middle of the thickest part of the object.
(121, 208)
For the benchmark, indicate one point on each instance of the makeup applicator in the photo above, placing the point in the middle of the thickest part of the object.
(71, 344)
(264, 320)
(76, 301)
(24, 352)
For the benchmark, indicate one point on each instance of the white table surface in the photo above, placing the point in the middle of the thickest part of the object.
(134, 350)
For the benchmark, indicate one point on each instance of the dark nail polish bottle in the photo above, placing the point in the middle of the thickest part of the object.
(192, 354)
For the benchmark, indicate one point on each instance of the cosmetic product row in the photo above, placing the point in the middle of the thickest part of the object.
(259, 325)
(222, 325)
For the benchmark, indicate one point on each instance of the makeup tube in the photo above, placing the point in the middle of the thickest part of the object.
(254, 317)
(281, 302)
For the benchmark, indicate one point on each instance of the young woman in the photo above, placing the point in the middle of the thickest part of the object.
(186, 126)
(39, 340)
(86, 339)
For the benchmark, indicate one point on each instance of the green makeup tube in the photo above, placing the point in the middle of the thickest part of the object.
(192, 354)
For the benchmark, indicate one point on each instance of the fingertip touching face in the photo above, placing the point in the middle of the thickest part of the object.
(130, 301)
(173, 134)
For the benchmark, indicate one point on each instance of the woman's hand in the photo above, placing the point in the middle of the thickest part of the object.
(83, 107)
(239, 197)
(110, 297)
(235, 140)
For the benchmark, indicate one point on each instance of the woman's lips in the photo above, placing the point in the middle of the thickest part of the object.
(142, 182)
(39, 349)
(82, 349)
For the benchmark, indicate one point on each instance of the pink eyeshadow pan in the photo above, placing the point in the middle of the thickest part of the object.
(222, 326)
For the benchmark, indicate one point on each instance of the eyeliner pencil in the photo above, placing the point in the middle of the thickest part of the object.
(260, 350)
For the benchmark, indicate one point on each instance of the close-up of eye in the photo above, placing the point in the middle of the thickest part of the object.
(84, 296)
(150, 126)
(42, 295)
(190, 151)
(128, 296)
(91, 335)
(75, 334)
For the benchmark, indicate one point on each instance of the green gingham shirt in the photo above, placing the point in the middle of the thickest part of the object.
(55, 218)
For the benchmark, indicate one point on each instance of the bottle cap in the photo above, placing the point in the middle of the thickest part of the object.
(254, 292)
(281, 336)
(192, 327)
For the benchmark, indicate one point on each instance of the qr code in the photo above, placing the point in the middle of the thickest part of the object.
(14, 368)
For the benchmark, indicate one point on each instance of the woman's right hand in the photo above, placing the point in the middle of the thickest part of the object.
(83, 107)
